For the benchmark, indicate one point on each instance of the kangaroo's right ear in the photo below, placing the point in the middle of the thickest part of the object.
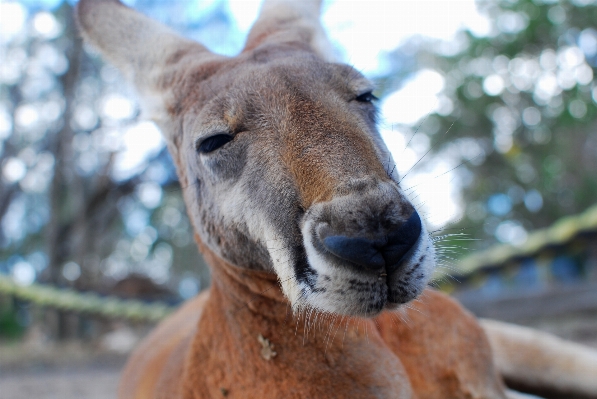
(291, 21)
(147, 52)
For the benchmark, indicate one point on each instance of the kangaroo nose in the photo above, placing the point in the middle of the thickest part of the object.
(375, 254)
(362, 251)
(401, 240)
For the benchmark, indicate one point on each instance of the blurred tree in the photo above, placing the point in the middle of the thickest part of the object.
(88, 193)
(518, 110)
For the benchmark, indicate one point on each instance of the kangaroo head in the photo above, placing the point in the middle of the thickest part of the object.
(278, 155)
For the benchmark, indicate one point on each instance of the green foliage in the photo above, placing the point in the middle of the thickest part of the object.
(10, 328)
(523, 121)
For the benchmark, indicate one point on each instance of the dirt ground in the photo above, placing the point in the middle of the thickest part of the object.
(67, 371)
(63, 384)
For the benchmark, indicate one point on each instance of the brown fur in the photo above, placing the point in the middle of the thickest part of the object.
(316, 163)
(396, 355)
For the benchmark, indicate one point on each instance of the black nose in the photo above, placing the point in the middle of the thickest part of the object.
(375, 254)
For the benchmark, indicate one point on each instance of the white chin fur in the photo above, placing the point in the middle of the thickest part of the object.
(333, 291)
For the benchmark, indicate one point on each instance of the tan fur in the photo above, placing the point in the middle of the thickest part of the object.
(280, 319)
(540, 362)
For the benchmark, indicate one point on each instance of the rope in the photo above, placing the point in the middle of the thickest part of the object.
(85, 302)
(560, 233)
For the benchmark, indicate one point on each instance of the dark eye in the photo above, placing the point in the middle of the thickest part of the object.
(366, 97)
(213, 143)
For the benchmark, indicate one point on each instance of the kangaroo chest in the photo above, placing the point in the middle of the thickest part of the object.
(244, 354)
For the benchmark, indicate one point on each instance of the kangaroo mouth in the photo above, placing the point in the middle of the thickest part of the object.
(359, 276)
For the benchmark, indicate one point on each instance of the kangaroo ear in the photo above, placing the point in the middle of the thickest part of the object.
(288, 21)
(147, 52)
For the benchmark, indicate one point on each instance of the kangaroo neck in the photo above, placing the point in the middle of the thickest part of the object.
(247, 324)
(244, 290)
(247, 294)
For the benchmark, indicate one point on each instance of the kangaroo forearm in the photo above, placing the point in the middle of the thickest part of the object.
(539, 361)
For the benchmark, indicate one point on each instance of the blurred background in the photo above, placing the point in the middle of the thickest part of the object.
(488, 107)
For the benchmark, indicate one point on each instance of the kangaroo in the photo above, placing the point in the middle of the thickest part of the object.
(314, 249)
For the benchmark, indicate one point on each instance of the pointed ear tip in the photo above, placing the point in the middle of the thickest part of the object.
(85, 8)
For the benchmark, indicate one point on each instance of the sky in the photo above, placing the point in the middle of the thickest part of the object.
(365, 30)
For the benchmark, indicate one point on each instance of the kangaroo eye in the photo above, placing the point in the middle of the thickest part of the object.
(213, 143)
(366, 97)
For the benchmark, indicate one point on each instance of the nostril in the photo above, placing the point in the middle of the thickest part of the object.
(358, 250)
(373, 254)
(401, 240)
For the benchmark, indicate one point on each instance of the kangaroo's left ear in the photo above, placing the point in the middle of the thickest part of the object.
(149, 54)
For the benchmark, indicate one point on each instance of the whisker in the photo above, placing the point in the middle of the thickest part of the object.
(456, 167)
(424, 155)
(421, 124)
